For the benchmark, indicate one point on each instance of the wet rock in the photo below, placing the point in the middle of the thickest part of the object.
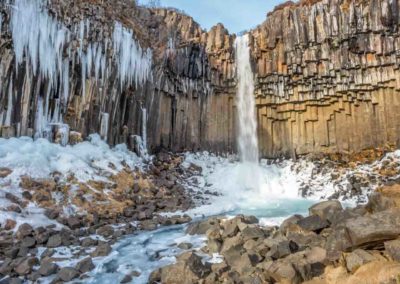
(102, 250)
(67, 274)
(393, 249)
(5, 172)
(313, 223)
(185, 246)
(54, 241)
(48, 268)
(88, 242)
(85, 265)
(326, 210)
(127, 279)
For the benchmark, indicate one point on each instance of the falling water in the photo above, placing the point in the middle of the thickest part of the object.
(247, 138)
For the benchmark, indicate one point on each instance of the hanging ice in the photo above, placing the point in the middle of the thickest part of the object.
(134, 64)
(105, 118)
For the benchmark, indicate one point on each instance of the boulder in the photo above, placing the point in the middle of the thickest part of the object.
(252, 232)
(5, 172)
(313, 223)
(291, 220)
(24, 267)
(393, 249)
(54, 241)
(28, 242)
(74, 222)
(200, 228)
(357, 258)
(326, 210)
(47, 268)
(67, 274)
(88, 242)
(102, 250)
(372, 230)
(24, 230)
(105, 231)
(185, 246)
(281, 272)
(85, 265)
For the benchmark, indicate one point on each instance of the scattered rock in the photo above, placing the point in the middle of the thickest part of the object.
(102, 250)
(25, 266)
(326, 210)
(357, 258)
(85, 265)
(24, 230)
(393, 249)
(313, 223)
(105, 231)
(54, 241)
(185, 246)
(67, 274)
(48, 268)
(5, 172)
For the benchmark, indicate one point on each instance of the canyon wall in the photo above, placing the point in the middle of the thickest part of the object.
(327, 76)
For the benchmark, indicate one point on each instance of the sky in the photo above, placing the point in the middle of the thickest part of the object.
(236, 15)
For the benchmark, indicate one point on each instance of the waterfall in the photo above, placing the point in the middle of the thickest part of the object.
(247, 136)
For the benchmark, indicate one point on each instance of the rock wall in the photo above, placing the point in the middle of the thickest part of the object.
(115, 68)
(326, 77)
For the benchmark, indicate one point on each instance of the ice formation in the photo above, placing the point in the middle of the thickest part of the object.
(43, 43)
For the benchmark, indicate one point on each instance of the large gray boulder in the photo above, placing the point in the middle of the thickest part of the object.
(326, 210)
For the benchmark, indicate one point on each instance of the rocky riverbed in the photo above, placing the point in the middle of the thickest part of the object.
(330, 245)
(89, 204)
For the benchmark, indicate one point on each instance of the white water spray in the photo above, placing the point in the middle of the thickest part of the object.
(250, 173)
(247, 138)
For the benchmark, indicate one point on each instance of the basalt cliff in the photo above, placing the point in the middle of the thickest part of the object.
(327, 76)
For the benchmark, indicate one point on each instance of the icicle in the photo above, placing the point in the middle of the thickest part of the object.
(104, 125)
(65, 82)
(134, 64)
(9, 105)
(144, 128)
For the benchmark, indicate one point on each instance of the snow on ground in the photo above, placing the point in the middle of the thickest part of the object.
(39, 159)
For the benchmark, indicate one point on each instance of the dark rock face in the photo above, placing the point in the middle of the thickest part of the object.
(324, 65)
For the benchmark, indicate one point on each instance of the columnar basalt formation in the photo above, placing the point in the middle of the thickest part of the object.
(326, 76)
(117, 69)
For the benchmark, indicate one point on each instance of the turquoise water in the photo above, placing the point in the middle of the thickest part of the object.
(146, 251)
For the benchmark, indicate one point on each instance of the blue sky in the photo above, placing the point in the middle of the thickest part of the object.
(236, 15)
